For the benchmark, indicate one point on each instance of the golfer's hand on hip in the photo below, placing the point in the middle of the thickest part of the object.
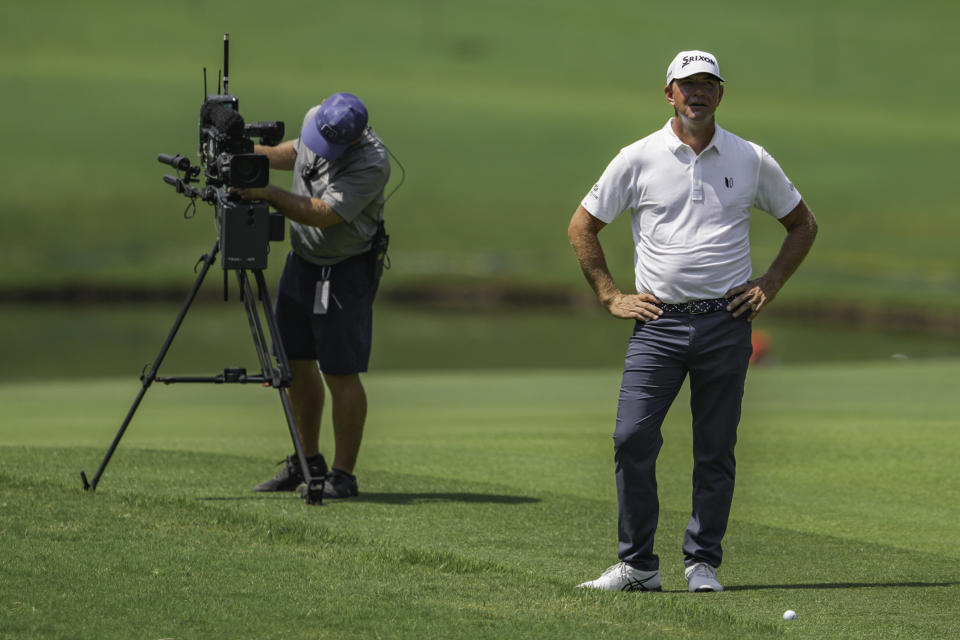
(638, 306)
(751, 297)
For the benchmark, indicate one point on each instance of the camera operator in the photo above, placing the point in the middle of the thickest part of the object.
(324, 305)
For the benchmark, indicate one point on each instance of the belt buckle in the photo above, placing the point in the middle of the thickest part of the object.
(699, 307)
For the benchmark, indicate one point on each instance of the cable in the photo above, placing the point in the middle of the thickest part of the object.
(403, 172)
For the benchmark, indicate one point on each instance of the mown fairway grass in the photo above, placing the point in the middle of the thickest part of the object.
(486, 498)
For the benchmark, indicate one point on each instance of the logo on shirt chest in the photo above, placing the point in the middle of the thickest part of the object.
(728, 182)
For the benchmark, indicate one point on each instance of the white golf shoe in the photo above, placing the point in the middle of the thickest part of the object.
(702, 577)
(623, 577)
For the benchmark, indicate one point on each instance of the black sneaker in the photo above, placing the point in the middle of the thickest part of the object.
(340, 484)
(289, 478)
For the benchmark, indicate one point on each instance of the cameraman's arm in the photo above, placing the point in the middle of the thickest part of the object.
(305, 210)
(282, 156)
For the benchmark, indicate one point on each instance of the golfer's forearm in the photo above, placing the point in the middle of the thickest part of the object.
(309, 211)
(593, 263)
(792, 252)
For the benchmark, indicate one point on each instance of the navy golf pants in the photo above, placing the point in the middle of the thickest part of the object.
(714, 349)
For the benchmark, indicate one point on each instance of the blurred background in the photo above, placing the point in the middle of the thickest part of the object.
(502, 114)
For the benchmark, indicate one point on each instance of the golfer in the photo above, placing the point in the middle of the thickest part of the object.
(325, 300)
(689, 189)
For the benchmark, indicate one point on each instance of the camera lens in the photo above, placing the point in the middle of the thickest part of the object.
(249, 170)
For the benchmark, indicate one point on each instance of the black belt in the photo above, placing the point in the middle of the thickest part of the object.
(696, 306)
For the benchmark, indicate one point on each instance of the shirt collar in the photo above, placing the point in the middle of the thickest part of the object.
(674, 143)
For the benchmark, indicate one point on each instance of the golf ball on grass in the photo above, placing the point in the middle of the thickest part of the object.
(789, 614)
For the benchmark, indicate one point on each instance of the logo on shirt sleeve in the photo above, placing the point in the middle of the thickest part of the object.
(595, 192)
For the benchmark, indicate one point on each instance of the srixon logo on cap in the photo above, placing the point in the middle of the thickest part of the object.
(688, 59)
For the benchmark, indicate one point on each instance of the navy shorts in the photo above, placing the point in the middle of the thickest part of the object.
(339, 339)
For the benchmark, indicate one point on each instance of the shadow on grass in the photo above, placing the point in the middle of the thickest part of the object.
(841, 585)
(393, 498)
(285, 495)
(416, 498)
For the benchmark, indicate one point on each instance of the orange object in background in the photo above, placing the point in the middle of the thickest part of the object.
(762, 347)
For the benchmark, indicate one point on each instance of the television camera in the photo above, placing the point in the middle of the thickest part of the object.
(227, 160)
(245, 230)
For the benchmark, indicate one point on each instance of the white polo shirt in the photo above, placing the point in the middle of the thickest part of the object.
(690, 213)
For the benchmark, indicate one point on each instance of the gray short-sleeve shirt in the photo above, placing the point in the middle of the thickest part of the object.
(352, 185)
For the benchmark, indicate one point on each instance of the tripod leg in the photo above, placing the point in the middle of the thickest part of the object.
(283, 363)
(314, 492)
(281, 376)
(207, 260)
(256, 329)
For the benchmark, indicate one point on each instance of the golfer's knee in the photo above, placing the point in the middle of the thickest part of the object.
(638, 439)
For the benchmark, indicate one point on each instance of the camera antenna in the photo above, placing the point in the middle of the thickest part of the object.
(226, 61)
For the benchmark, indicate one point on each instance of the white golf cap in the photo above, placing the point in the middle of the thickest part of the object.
(688, 63)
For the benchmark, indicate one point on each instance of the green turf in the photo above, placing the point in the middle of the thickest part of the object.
(504, 114)
(486, 497)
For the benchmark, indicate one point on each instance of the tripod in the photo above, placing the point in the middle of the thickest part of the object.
(278, 377)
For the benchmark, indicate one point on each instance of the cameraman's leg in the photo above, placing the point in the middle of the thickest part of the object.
(297, 322)
(344, 353)
(349, 407)
(306, 399)
(306, 403)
